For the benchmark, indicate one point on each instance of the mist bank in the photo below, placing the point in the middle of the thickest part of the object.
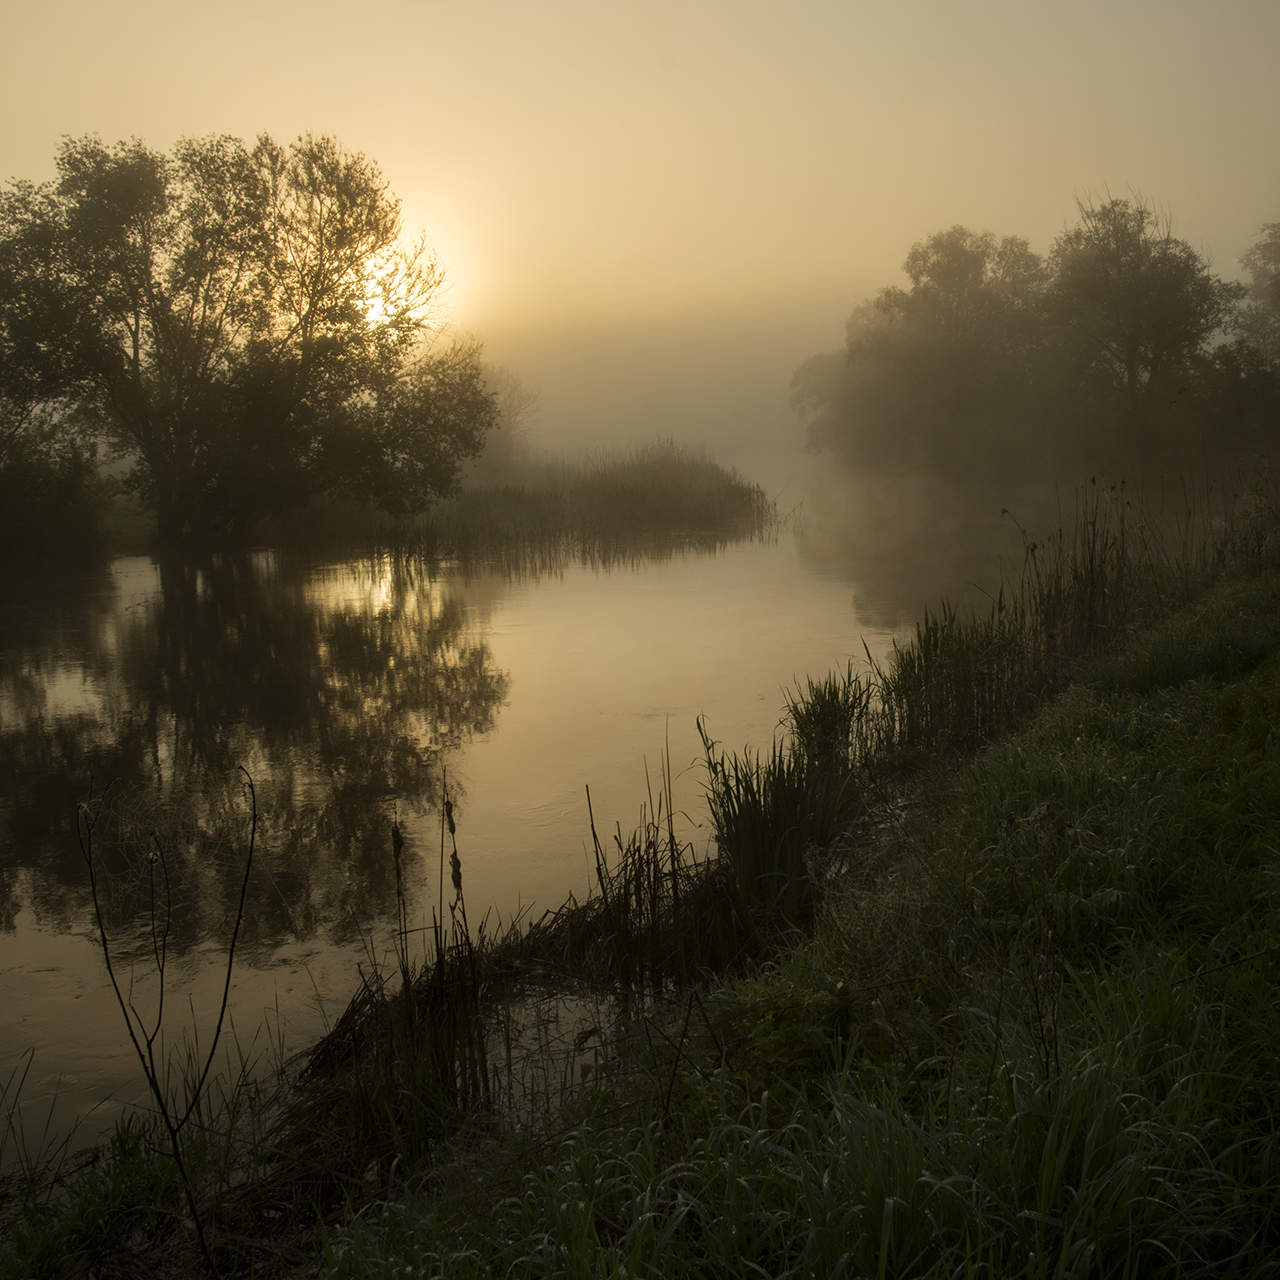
(712, 376)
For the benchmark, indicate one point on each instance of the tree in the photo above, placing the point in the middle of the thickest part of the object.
(1260, 316)
(243, 323)
(994, 365)
(935, 377)
(1136, 314)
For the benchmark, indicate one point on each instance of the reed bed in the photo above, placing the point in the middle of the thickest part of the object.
(657, 499)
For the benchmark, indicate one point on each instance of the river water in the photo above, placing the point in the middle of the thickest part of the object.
(353, 693)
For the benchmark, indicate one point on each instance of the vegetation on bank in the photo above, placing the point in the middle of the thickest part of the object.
(1031, 1032)
(613, 505)
(981, 977)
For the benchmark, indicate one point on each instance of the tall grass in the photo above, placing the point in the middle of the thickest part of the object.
(656, 499)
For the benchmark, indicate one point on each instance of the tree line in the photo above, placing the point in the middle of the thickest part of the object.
(1121, 353)
(238, 328)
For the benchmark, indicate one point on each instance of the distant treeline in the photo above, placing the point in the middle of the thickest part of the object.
(1120, 353)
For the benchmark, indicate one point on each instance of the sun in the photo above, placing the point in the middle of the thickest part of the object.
(376, 313)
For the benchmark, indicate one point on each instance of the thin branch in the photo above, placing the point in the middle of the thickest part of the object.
(231, 949)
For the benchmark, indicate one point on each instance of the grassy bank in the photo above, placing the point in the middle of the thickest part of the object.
(1032, 1032)
(980, 980)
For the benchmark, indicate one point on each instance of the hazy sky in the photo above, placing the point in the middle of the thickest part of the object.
(653, 209)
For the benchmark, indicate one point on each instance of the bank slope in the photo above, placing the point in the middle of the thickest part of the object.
(1033, 1034)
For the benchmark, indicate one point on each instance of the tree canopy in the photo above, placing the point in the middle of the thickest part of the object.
(244, 323)
(1113, 353)
(952, 351)
(1260, 319)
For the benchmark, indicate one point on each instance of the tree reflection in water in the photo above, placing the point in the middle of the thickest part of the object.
(341, 690)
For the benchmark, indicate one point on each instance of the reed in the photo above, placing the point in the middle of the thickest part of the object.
(657, 499)
(404, 1062)
(658, 918)
(774, 814)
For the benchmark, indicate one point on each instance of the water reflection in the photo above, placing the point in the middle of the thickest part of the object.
(346, 689)
(339, 689)
(907, 542)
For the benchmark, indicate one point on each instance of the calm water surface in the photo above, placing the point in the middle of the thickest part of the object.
(351, 692)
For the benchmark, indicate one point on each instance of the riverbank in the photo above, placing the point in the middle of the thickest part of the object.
(971, 1007)
(1032, 1033)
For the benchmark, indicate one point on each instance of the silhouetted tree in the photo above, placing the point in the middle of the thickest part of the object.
(49, 500)
(933, 377)
(1136, 313)
(1260, 316)
(997, 366)
(244, 323)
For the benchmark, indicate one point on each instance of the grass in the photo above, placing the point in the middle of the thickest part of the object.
(610, 508)
(1032, 1035)
(980, 979)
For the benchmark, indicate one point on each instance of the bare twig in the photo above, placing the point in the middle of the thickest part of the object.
(143, 1039)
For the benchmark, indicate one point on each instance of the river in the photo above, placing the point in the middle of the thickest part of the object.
(352, 693)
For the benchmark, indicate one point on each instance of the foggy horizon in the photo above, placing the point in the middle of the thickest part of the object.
(676, 196)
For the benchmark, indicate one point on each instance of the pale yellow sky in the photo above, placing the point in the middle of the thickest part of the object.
(617, 167)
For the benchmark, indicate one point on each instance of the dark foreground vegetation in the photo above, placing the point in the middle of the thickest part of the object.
(980, 979)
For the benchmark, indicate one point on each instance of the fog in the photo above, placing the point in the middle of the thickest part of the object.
(720, 380)
(652, 211)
